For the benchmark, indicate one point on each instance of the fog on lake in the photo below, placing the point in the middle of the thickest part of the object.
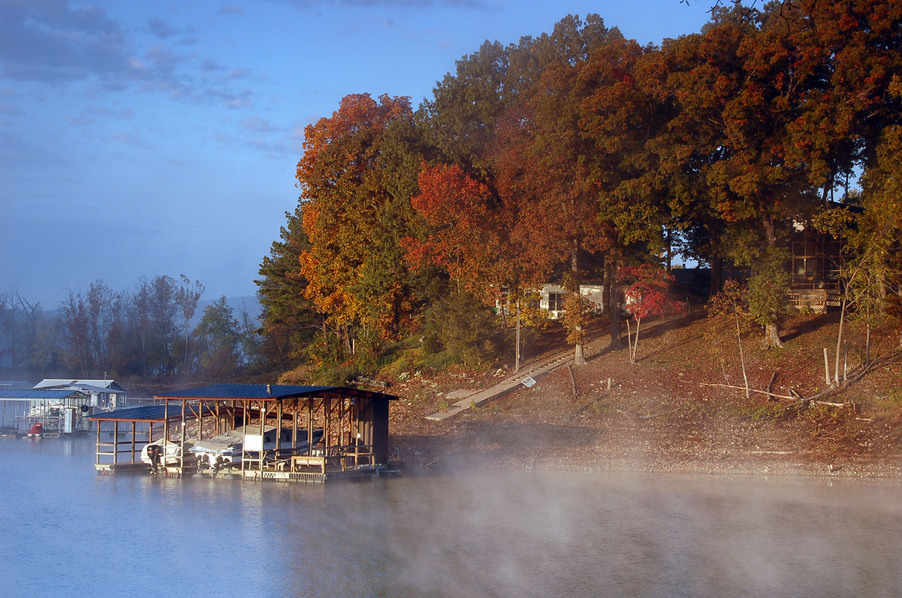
(68, 531)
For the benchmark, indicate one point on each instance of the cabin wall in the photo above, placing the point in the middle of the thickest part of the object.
(372, 426)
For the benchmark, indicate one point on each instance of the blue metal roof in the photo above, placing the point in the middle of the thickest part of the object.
(265, 391)
(48, 395)
(151, 413)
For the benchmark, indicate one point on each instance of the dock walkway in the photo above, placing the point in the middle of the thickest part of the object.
(532, 371)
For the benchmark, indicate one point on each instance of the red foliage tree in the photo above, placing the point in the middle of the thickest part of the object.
(647, 294)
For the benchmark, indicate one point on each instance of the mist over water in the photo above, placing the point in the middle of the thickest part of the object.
(67, 531)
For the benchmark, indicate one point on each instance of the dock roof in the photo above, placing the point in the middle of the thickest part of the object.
(249, 392)
(145, 413)
(47, 395)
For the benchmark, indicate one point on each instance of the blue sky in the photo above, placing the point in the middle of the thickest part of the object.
(146, 138)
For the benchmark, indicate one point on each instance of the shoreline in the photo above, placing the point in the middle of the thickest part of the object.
(441, 458)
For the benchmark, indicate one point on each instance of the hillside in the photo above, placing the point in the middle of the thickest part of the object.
(672, 411)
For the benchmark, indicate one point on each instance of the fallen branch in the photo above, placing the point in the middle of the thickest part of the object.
(645, 417)
(764, 392)
(795, 396)
(653, 415)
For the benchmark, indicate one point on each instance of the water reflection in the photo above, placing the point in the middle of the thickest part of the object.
(486, 534)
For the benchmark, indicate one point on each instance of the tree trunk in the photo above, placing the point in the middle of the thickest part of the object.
(716, 260)
(716, 276)
(579, 355)
(635, 343)
(772, 337)
(771, 331)
(839, 339)
(612, 304)
(745, 376)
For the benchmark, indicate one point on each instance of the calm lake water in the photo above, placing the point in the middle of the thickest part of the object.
(67, 531)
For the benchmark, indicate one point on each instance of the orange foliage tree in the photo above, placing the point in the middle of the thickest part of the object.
(466, 234)
(345, 203)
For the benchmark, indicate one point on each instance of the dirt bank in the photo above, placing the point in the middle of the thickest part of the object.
(674, 410)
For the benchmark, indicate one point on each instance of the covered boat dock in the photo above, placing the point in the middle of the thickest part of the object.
(335, 432)
(57, 411)
(123, 433)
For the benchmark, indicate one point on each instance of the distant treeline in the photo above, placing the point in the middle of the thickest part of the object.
(143, 333)
(576, 154)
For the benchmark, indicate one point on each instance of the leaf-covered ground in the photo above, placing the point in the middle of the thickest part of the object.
(673, 411)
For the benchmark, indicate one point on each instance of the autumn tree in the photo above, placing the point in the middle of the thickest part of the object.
(460, 119)
(346, 206)
(860, 42)
(647, 294)
(743, 90)
(465, 234)
(618, 118)
(542, 161)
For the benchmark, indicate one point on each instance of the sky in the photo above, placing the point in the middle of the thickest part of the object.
(147, 138)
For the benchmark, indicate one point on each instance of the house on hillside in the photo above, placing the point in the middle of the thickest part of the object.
(549, 298)
(816, 262)
(104, 395)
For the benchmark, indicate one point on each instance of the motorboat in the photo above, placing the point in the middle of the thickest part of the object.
(225, 450)
(165, 453)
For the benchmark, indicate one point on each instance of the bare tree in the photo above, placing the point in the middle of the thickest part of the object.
(187, 297)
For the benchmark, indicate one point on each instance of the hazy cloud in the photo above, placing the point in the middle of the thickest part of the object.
(134, 138)
(90, 115)
(466, 4)
(10, 110)
(160, 28)
(48, 41)
(257, 125)
(242, 99)
(51, 42)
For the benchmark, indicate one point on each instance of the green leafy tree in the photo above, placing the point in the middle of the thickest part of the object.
(288, 320)
(155, 324)
(217, 337)
(872, 274)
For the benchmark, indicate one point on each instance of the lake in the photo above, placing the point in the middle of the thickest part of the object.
(67, 531)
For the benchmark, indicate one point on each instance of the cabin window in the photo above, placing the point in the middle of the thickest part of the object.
(555, 301)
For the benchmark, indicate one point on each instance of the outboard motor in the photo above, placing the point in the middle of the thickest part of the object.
(154, 452)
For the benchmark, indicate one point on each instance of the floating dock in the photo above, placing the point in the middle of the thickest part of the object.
(353, 425)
